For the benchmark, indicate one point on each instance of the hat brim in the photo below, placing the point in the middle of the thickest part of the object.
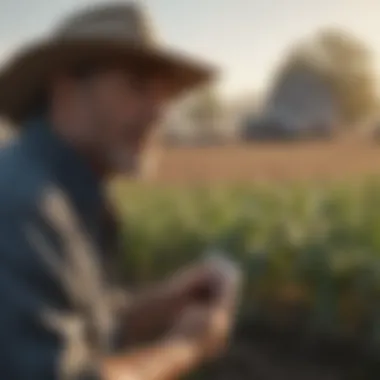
(24, 77)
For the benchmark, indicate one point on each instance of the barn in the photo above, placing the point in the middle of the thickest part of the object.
(300, 105)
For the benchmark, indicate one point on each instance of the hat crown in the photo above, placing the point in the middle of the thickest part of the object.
(128, 22)
(120, 32)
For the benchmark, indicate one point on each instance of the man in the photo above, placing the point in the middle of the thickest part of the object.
(85, 101)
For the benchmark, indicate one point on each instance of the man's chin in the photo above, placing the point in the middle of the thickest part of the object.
(126, 166)
(130, 171)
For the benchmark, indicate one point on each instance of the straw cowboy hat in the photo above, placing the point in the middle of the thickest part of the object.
(117, 32)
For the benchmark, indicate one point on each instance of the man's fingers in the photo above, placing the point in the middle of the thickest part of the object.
(214, 282)
(228, 279)
(207, 324)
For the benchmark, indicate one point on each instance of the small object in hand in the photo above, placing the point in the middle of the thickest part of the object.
(224, 272)
(206, 293)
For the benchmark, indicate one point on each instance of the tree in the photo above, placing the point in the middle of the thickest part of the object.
(345, 63)
(349, 68)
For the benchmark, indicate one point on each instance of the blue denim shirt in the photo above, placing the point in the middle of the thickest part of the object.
(56, 315)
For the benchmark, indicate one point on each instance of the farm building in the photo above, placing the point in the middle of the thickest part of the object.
(301, 104)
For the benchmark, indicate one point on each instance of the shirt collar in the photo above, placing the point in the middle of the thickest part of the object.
(67, 166)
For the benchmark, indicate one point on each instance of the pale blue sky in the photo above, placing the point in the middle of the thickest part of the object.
(245, 38)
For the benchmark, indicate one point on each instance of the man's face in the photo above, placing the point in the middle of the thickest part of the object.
(119, 111)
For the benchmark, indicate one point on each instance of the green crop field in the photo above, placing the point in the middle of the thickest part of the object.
(309, 253)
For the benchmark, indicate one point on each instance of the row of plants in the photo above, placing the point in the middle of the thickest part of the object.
(309, 252)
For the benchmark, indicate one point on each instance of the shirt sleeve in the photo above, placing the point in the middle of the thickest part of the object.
(44, 326)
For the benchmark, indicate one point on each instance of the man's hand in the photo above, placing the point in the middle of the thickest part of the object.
(167, 359)
(207, 322)
(200, 332)
(154, 312)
